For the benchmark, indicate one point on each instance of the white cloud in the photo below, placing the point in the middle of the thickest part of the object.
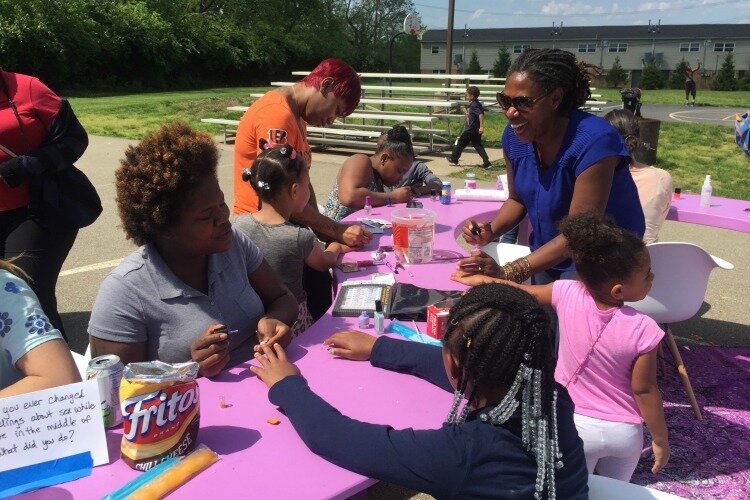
(478, 13)
(653, 6)
(569, 9)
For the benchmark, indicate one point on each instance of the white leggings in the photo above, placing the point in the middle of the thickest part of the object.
(612, 448)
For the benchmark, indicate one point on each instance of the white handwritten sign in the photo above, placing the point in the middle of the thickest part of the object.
(53, 423)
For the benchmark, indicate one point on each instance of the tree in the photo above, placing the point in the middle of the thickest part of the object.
(500, 69)
(616, 75)
(744, 82)
(725, 79)
(370, 24)
(474, 68)
(677, 78)
(652, 77)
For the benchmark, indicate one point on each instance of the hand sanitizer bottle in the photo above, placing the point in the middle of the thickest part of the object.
(706, 191)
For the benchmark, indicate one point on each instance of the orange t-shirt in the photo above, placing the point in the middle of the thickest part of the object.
(269, 118)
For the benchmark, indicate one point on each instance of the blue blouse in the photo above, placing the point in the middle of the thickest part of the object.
(547, 194)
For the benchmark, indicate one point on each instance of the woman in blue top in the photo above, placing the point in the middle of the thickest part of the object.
(561, 161)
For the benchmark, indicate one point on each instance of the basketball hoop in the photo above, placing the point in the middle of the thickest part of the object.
(413, 25)
(417, 32)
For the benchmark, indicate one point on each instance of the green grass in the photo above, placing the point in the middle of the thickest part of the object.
(739, 99)
(688, 151)
(134, 115)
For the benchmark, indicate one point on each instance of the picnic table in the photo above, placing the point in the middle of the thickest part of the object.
(270, 461)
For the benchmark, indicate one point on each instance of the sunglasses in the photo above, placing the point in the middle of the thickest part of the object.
(521, 103)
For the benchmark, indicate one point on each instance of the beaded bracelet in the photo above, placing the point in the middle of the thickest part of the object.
(519, 270)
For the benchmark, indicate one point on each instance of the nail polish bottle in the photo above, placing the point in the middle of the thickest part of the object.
(364, 320)
(379, 318)
(368, 205)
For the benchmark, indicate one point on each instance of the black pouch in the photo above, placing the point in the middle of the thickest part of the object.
(409, 302)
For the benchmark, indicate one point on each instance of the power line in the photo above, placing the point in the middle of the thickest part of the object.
(687, 6)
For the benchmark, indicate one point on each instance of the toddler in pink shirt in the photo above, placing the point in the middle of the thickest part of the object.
(607, 352)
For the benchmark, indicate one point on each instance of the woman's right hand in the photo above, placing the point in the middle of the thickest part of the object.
(477, 233)
(402, 195)
(351, 344)
(211, 351)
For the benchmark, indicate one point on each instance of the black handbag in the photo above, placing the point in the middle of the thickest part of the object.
(70, 196)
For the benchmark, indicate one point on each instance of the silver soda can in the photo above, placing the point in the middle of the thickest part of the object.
(108, 371)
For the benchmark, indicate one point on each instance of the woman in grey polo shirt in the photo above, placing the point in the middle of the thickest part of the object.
(193, 272)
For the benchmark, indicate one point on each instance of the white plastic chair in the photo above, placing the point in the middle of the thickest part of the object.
(681, 272)
(82, 361)
(606, 488)
(506, 252)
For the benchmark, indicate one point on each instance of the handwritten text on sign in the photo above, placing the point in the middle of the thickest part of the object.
(53, 423)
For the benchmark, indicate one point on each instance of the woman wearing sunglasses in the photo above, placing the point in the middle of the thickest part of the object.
(560, 161)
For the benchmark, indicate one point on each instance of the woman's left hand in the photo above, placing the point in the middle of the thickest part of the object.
(480, 263)
(472, 279)
(274, 365)
(272, 331)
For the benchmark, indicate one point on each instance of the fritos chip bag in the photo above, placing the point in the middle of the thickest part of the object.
(160, 412)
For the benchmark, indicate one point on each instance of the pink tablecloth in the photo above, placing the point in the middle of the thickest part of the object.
(259, 460)
(724, 213)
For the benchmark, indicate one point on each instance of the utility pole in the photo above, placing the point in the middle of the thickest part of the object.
(449, 43)
(467, 34)
(653, 29)
(706, 44)
(556, 31)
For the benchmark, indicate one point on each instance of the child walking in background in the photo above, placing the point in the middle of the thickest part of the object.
(282, 180)
(514, 436)
(473, 129)
(607, 353)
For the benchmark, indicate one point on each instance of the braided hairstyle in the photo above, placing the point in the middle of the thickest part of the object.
(397, 141)
(501, 337)
(552, 69)
(602, 251)
(4, 88)
(276, 168)
(627, 125)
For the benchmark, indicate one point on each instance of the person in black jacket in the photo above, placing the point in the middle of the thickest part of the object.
(39, 136)
(514, 437)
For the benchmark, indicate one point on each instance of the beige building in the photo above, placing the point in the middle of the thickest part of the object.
(599, 45)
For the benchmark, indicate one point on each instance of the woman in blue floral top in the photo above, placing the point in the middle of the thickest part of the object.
(33, 355)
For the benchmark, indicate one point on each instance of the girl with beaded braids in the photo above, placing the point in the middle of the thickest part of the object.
(560, 161)
(281, 178)
(514, 437)
(607, 354)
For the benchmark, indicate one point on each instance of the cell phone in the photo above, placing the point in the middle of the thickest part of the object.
(414, 204)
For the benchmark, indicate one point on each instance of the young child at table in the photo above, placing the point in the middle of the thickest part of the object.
(282, 180)
(514, 436)
(607, 353)
(33, 354)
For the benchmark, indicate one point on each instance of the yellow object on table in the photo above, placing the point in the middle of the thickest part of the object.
(197, 461)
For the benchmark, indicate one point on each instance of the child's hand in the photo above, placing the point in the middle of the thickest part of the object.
(338, 247)
(351, 344)
(661, 456)
(471, 279)
(274, 365)
(211, 351)
(272, 331)
(402, 194)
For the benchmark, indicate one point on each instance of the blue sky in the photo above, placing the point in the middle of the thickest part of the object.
(538, 13)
